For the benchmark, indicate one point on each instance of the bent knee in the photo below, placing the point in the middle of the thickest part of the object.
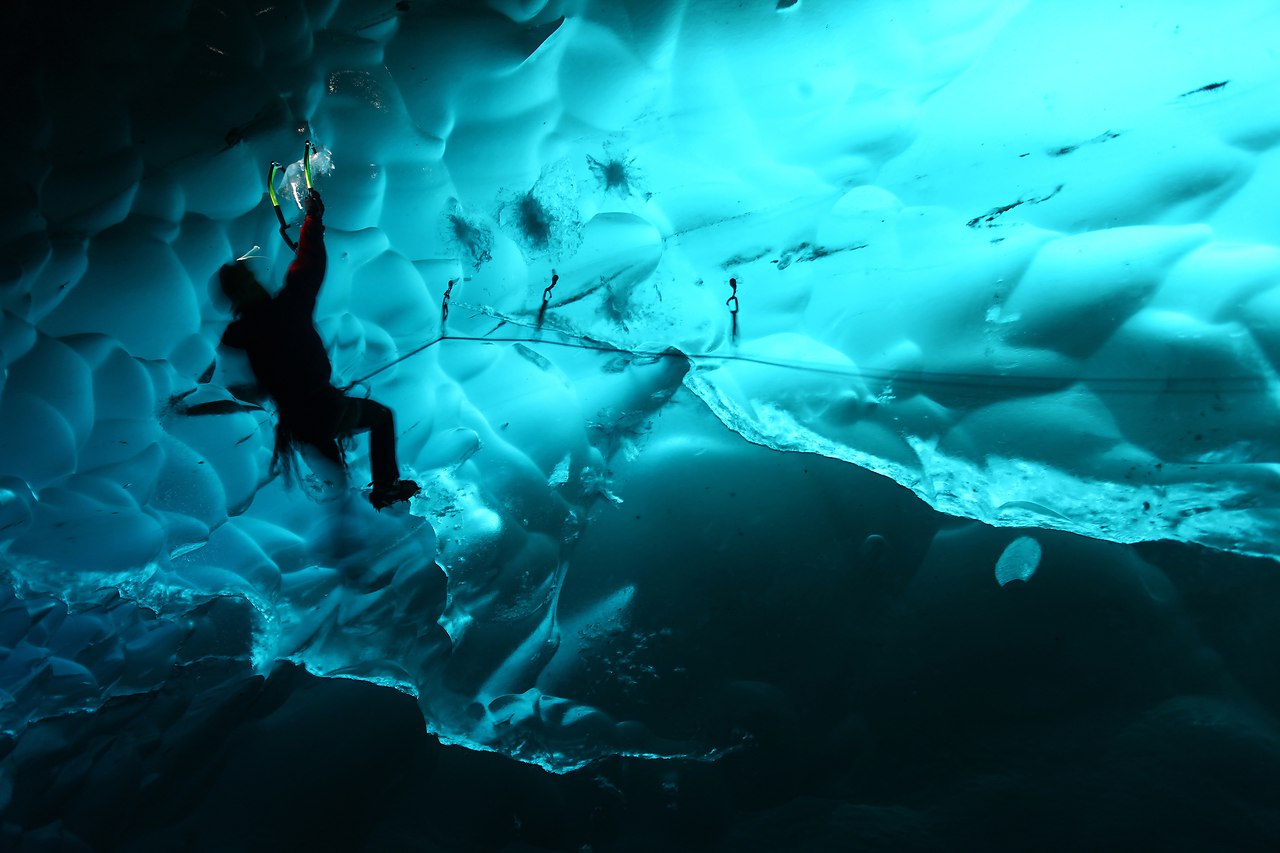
(376, 413)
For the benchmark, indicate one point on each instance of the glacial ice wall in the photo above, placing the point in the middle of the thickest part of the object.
(1018, 257)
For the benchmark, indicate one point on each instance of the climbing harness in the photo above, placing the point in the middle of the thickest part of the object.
(307, 151)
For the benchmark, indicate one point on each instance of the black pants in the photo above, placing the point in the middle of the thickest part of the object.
(325, 418)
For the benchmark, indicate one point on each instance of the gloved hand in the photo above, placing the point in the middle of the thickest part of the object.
(314, 204)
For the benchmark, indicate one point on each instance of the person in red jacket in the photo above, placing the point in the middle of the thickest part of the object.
(292, 366)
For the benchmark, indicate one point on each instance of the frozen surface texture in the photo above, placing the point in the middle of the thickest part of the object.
(1022, 258)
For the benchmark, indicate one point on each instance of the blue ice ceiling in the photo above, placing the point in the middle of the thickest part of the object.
(1017, 257)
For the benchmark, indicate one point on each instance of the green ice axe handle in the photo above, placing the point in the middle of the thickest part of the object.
(275, 203)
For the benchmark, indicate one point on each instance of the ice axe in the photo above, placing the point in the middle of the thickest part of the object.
(275, 201)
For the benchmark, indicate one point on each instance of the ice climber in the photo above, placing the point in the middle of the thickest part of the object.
(291, 365)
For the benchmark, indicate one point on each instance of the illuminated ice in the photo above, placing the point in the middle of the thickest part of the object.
(1018, 561)
(1018, 257)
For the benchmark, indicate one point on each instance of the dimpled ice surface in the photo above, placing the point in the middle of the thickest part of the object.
(735, 346)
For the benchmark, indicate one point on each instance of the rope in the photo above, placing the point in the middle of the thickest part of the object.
(923, 378)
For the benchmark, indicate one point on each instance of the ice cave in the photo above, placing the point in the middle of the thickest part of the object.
(839, 425)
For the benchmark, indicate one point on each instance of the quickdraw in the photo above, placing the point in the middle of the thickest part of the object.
(444, 306)
(732, 303)
(546, 298)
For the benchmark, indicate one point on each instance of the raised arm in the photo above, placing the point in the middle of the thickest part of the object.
(306, 273)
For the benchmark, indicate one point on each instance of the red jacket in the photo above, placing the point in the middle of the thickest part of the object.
(279, 335)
